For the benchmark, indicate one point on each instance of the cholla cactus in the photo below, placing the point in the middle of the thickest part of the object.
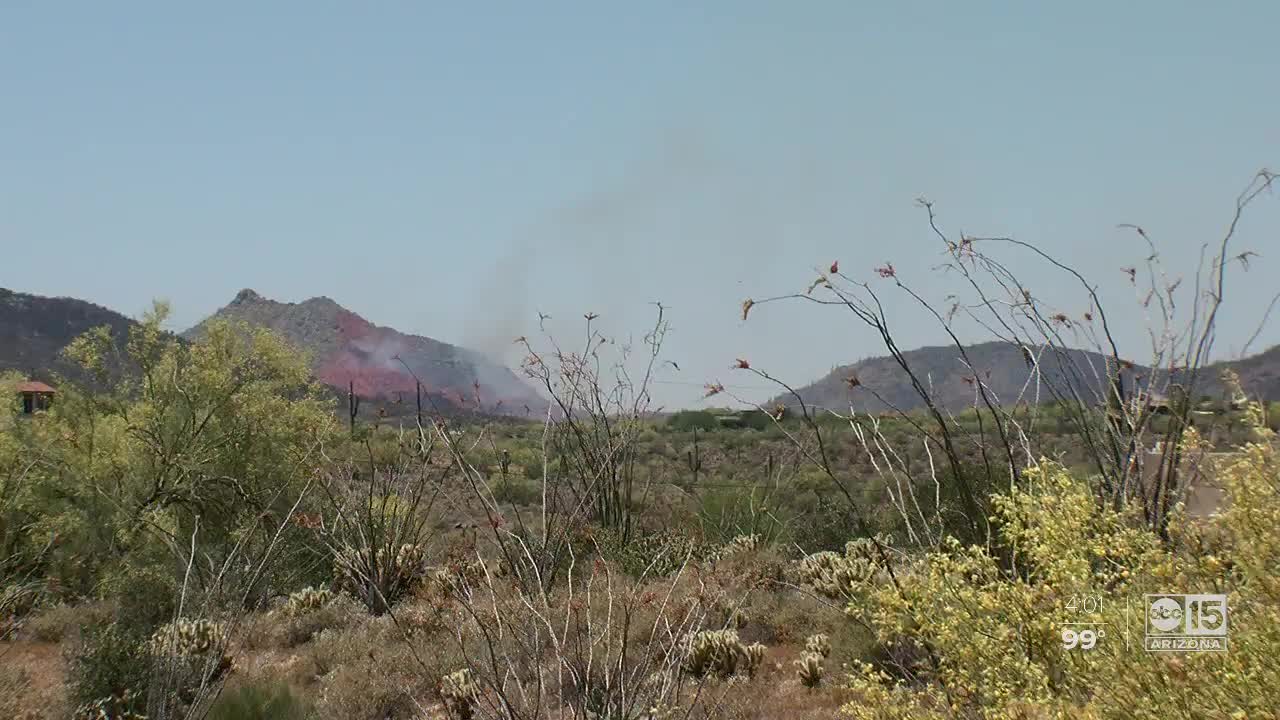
(838, 576)
(755, 657)
(411, 561)
(186, 638)
(407, 565)
(109, 708)
(653, 554)
(458, 577)
(460, 693)
(737, 618)
(661, 711)
(740, 544)
(809, 669)
(720, 653)
(724, 610)
(307, 600)
(819, 645)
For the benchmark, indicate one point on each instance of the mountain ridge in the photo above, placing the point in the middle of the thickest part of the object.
(347, 350)
(877, 384)
(35, 328)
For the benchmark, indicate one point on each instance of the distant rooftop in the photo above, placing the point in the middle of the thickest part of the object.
(33, 386)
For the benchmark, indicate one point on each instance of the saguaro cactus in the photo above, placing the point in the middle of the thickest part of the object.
(693, 458)
(353, 403)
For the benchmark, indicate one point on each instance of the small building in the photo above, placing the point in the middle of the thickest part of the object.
(36, 396)
(729, 419)
(1158, 404)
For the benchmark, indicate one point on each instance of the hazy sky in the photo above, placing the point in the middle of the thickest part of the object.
(450, 171)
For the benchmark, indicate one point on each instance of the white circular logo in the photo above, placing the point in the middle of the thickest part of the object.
(1165, 614)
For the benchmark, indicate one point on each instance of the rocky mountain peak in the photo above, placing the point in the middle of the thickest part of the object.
(247, 296)
(346, 350)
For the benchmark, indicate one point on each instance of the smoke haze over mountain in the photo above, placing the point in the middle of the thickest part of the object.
(451, 173)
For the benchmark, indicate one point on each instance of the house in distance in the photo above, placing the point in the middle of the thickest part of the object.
(36, 396)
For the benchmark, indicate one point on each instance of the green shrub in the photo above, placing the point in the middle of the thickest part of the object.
(687, 420)
(258, 702)
(994, 637)
(756, 420)
(516, 490)
(725, 514)
(110, 661)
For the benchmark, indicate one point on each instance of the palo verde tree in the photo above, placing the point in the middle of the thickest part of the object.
(204, 444)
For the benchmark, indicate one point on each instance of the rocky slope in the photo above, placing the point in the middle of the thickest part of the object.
(881, 382)
(347, 349)
(34, 329)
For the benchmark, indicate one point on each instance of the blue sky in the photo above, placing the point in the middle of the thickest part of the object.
(450, 169)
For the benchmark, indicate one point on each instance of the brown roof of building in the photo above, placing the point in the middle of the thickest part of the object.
(32, 386)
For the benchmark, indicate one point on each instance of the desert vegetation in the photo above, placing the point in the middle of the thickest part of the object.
(210, 536)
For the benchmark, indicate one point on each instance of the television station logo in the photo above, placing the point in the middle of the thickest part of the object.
(1186, 623)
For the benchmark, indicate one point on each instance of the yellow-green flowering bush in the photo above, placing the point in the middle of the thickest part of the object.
(976, 631)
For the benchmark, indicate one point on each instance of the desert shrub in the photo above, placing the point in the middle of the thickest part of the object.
(381, 528)
(258, 702)
(819, 644)
(286, 628)
(299, 559)
(993, 637)
(460, 576)
(110, 661)
(839, 576)
(785, 616)
(370, 671)
(756, 420)
(516, 490)
(55, 623)
(189, 659)
(823, 520)
(687, 420)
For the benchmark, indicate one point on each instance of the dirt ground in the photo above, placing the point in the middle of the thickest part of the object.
(33, 676)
